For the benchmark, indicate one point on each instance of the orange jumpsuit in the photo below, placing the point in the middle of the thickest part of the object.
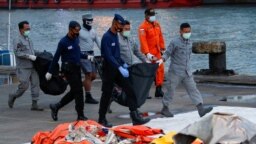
(152, 41)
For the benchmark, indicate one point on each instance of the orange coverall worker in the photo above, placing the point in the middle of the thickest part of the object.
(152, 41)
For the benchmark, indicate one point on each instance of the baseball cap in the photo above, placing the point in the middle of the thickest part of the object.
(74, 24)
(87, 16)
(150, 12)
(119, 18)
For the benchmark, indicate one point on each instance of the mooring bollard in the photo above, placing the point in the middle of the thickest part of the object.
(217, 57)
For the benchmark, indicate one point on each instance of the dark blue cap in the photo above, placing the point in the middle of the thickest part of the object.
(119, 18)
(150, 12)
(74, 24)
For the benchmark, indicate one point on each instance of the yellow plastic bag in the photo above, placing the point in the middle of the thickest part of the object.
(167, 139)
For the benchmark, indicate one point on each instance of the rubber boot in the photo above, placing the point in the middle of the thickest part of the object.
(89, 99)
(54, 110)
(137, 119)
(35, 106)
(149, 97)
(103, 121)
(159, 93)
(165, 111)
(203, 110)
(11, 100)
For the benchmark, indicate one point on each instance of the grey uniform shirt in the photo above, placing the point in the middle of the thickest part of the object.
(87, 39)
(180, 52)
(23, 47)
(128, 48)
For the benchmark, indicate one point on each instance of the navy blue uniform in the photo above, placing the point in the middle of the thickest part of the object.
(69, 51)
(110, 51)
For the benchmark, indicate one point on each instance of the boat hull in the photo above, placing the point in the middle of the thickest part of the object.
(66, 4)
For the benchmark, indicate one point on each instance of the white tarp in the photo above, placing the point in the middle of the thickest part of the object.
(180, 121)
(222, 128)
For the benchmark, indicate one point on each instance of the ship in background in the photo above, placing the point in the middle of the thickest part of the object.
(66, 4)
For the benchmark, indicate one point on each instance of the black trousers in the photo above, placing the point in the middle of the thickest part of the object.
(111, 76)
(72, 72)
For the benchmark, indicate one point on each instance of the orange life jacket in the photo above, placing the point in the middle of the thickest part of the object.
(59, 133)
(137, 133)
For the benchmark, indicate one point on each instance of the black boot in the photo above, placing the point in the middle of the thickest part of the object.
(166, 112)
(89, 99)
(54, 110)
(103, 121)
(82, 117)
(137, 119)
(35, 107)
(11, 100)
(159, 92)
(203, 110)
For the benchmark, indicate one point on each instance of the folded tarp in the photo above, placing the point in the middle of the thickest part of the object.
(219, 128)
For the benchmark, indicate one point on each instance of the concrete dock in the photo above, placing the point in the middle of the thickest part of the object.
(19, 124)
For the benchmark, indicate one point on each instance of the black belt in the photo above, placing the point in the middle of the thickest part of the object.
(72, 63)
(88, 52)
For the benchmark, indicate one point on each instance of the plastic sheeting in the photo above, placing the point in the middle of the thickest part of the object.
(221, 128)
(141, 77)
(57, 85)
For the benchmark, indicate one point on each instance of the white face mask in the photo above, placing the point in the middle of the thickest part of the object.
(126, 33)
(186, 35)
(152, 18)
(26, 33)
(89, 23)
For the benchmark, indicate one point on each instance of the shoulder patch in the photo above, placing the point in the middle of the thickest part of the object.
(142, 31)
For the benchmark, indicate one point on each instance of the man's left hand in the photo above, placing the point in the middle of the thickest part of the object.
(90, 57)
(32, 57)
(160, 61)
(125, 65)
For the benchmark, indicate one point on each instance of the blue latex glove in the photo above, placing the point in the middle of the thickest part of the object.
(125, 65)
(124, 72)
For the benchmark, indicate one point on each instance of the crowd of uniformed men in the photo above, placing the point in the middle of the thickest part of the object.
(118, 50)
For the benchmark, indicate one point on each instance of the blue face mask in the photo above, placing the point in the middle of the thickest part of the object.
(152, 18)
(186, 35)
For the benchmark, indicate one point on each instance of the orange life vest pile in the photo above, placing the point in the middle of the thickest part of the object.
(90, 132)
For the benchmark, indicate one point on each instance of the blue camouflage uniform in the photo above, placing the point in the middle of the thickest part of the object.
(180, 71)
(23, 47)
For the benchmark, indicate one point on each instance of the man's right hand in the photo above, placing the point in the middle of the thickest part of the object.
(48, 76)
(150, 57)
(124, 72)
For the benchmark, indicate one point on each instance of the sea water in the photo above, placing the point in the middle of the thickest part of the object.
(236, 25)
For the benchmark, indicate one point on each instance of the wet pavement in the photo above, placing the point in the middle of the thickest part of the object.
(19, 124)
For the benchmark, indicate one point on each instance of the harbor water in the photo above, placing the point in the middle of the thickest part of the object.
(233, 24)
